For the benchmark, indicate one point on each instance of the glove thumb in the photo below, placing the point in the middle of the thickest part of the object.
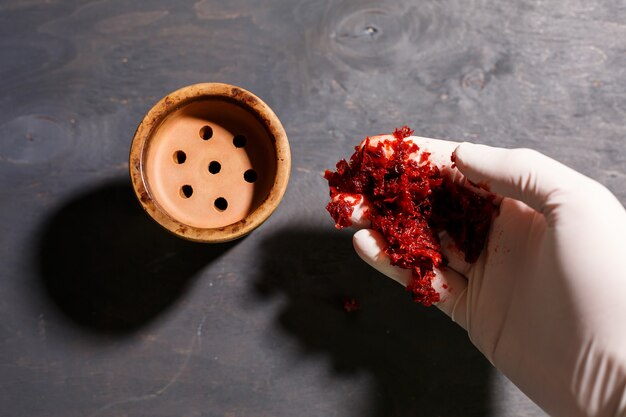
(523, 174)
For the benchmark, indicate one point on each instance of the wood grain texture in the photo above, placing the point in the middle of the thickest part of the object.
(102, 314)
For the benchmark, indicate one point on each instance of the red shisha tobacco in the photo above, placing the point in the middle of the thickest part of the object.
(410, 202)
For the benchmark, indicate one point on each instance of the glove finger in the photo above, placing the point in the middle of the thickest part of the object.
(439, 154)
(450, 285)
(359, 217)
(523, 174)
(439, 151)
(454, 256)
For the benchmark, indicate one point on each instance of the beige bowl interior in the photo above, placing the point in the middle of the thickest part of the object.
(210, 164)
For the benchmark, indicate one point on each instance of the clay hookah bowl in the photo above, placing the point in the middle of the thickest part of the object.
(210, 162)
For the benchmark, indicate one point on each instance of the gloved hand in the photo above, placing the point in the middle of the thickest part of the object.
(546, 299)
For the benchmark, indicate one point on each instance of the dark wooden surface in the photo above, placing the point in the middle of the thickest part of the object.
(104, 314)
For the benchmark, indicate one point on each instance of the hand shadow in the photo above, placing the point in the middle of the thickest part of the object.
(422, 363)
(109, 267)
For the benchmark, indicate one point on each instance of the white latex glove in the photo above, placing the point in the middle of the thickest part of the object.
(546, 300)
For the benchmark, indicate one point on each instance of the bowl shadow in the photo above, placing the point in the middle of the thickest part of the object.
(111, 269)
